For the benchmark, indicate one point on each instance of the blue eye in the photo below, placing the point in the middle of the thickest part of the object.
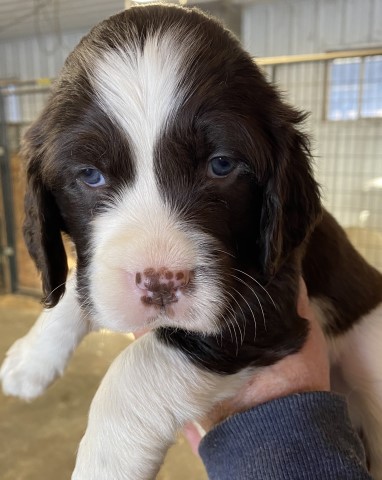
(92, 177)
(221, 166)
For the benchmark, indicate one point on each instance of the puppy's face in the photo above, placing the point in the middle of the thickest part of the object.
(176, 170)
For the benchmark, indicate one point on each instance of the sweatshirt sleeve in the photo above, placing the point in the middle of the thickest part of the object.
(302, 436)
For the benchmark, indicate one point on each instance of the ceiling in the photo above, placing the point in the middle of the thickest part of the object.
(19, 18)
(28, 17)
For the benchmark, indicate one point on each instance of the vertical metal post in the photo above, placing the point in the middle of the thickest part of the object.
(273, 73)
(8, 251)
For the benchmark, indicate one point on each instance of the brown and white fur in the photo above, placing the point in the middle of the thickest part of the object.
(185, 183)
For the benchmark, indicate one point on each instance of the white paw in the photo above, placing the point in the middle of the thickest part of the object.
(28, 370)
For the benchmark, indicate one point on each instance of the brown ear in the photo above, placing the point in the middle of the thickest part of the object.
(291, 204)
(42, 226)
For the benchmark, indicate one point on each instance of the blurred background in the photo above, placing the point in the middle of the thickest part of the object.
(326, 55)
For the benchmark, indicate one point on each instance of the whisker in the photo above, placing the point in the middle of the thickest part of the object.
(58, 286)
(258, 299)
(192, 354)
(258, 283)
(226, 253)
(226, 322)
(233, 318)
(250, 309)
(221, 335)
(238, 304)
(216, 334)
(240, 331)
(244, 319)
(229, 324)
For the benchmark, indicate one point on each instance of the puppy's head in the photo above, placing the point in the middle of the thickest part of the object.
(176, 169)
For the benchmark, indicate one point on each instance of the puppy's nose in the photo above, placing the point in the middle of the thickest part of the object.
(161, 286)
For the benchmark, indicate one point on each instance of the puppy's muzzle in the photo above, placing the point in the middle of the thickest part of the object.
(161, 287)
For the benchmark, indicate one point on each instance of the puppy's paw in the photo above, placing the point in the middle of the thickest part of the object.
(27, 371)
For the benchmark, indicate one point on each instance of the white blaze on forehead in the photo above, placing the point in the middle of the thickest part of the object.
(139, 88)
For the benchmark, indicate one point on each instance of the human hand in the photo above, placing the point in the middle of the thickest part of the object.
(304, 371)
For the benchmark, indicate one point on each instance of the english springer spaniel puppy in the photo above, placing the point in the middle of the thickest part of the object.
(185, 183)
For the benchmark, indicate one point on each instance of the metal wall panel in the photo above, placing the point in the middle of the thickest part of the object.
(289, 27)
(35, 57)
(329, 24)
(348, 154)
(376, 22)
(357, 17)
(255, 28)
(29, 17)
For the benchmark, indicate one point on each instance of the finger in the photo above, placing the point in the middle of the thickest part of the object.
(139, 333)
(193, 436)
(303, 306)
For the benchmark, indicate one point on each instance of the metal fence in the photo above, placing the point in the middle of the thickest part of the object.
(21, 103)
(343, 92)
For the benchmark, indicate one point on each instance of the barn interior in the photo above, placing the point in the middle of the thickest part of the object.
(325, 55)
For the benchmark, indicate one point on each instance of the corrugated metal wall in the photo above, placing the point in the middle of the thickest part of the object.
(348, 154)
(23, 18)
(289, 27)
(34, 57)
(348, 157)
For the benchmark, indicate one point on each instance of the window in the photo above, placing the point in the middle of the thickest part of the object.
(355, 88)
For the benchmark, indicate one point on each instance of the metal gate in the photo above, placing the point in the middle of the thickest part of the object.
(20, 104)
(8, 269)
(343, 93)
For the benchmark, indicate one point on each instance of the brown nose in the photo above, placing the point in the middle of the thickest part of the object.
(161, 285)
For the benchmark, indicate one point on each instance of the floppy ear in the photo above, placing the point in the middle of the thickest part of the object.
(291, 204)
(42, 226)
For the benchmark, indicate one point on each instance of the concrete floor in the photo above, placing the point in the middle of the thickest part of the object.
(38, 440)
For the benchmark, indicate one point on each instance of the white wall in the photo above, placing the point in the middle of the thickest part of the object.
(288, 27)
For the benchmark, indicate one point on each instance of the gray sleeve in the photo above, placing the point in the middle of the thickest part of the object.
(302, 436)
